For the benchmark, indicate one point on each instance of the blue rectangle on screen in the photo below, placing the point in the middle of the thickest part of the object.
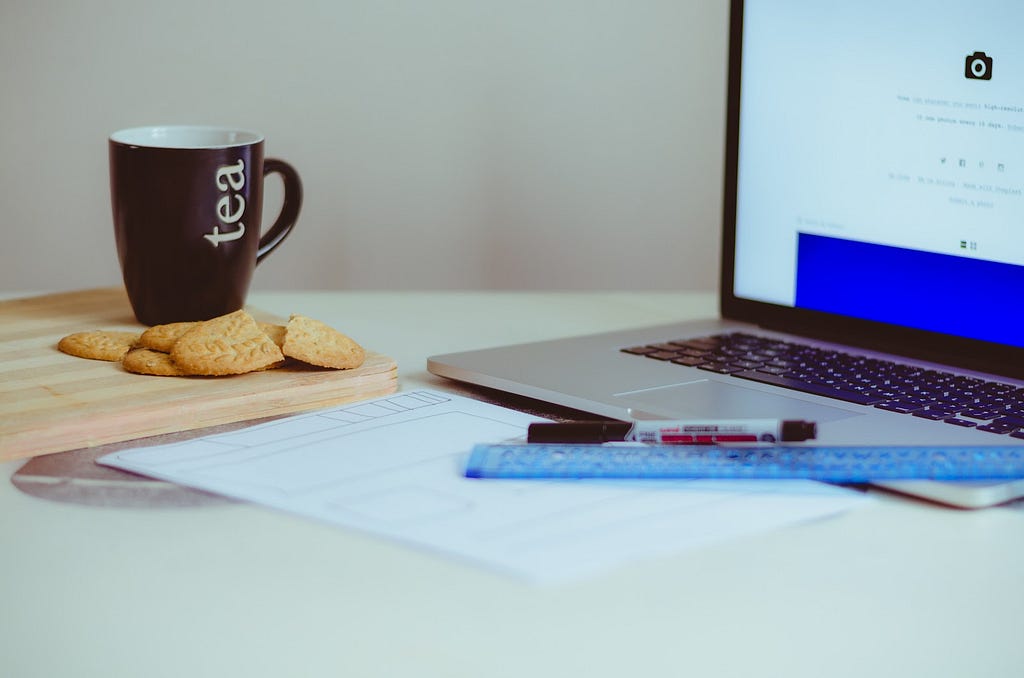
(943, 293)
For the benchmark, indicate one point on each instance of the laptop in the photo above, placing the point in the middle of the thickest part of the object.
(872, 272)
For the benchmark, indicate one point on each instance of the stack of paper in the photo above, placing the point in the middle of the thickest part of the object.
(394, 467)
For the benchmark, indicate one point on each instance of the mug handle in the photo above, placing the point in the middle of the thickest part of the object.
(276, 234)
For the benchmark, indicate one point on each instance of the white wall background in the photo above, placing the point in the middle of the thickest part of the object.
(466, 144)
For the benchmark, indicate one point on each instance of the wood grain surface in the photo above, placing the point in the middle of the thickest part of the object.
(51, 402)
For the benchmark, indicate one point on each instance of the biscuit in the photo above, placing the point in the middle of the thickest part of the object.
(162, 337)
(98, 344)
(149, 361)
(313, 342)
(228, 344)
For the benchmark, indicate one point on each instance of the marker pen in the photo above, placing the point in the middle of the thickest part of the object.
(674, 432)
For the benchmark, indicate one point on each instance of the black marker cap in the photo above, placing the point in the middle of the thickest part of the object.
(794, 431)
(578, 432)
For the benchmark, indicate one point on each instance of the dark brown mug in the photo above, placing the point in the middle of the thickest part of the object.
(187, 204)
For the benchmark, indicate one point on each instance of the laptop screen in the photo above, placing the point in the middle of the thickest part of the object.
(876, 164)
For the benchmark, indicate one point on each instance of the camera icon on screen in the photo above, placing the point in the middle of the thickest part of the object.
(978, 66)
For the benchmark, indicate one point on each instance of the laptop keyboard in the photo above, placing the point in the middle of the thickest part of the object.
(957, 400)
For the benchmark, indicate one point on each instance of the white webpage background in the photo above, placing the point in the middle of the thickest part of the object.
(857, 122)
(394, 467)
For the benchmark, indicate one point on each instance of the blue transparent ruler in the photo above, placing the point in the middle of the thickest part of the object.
(831, 464)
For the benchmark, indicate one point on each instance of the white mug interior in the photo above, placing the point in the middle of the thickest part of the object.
(185, 136)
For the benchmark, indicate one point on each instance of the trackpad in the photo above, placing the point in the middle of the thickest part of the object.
(707, 399)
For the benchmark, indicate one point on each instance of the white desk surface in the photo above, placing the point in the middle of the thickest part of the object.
(899, 588)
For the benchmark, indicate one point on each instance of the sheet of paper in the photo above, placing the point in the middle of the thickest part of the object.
(393, 467)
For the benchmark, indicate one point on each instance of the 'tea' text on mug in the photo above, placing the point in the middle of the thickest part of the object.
(231, 205)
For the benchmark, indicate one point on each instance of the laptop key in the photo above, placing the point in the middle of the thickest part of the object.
(666, 347)
(998, 428)
(899, 406)
(747, 364)
(932, 414)
(979, 414)
(639, 350)
(720, 368)
(705, 344)
(1015, 420)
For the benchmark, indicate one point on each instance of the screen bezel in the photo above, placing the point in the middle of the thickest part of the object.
(983, 356)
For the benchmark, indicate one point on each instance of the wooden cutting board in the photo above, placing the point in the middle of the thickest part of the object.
(51, 402)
